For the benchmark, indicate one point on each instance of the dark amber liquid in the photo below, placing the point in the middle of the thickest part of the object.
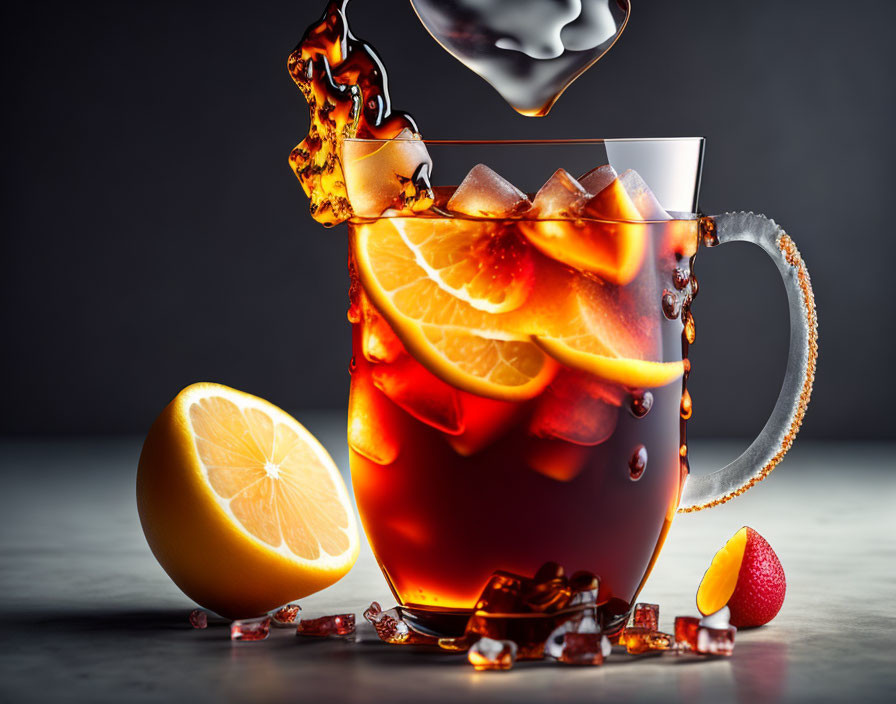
(440, 523)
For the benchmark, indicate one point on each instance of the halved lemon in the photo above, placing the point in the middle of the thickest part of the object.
(241, 505)
(485, 353)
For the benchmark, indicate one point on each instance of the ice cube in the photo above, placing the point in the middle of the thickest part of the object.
(381, 175)
(559, 647)
(379, 343)
(388, 624)
(198, 618)
(642, 640)
(584, 588)
(717, 619)
(488, 654)
(485, 193)
(503, 594)
(556, 459)
(286, 616)
(251, 629)
(686, 628)
(485, 421)
(418, 391)
(560, 197)
(715, 641)
(548, 590)
(642, 196)
(333, 625)
(646, 616)
(577, 408)
(598, 179)
(372, 419)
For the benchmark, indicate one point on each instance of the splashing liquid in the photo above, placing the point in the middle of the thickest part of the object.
(345, 84)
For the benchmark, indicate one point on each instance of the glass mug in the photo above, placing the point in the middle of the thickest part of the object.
(519, 372)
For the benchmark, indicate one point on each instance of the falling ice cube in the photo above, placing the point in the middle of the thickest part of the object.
(198, 618)
(250, 629)
(334, 625)
(560, 197)
(646, 616)
(485, 193)
(715, 641)
(488, 654)
(286, 616)
(686, 628)
(597, 179)
(385, 174)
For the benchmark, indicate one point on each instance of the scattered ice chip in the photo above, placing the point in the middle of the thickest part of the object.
(582, 649)
(686, 628)
(485, 193)
(584, 588)
(198, 618)
(385, 174)
(388, 624)
(560, 197)
(715, 641)
(286, 616)
(250, 629)
(717, 619)
(642, 640)
(335, 625)
(503, 594)
(488, 654)
(597, 179)
(646, 616)
(642, 196)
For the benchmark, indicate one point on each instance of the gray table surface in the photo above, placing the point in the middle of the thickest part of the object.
(88, 614)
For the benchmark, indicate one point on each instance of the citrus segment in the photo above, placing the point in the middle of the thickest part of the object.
(487, 354)
(610, 243)
(241, 505)
(488, 265)
(721, 578)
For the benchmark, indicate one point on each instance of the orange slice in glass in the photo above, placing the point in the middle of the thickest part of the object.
(482, 352)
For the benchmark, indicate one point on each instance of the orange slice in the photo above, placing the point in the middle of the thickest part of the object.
(611, 243)
(241, 505)
(484, 353)
(482, 263)
(607, 334)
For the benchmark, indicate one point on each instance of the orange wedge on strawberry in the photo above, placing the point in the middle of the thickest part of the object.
(747, 577)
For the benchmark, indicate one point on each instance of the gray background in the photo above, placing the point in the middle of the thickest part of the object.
(153, 235)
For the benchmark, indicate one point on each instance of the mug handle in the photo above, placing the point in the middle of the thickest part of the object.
(775, 439)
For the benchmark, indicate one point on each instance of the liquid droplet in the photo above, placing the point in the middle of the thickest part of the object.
(352, 365)
(671, 305)
(686, 406)
(680, 278)
(642, 402)
(638, 463)
(690, 330)
(708, 232)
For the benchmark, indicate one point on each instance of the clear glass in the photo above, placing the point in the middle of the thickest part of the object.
(519, 382)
